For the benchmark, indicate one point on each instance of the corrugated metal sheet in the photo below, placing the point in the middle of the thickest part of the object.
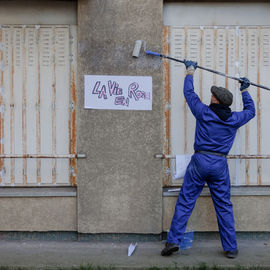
(37, 77)
(243, 51)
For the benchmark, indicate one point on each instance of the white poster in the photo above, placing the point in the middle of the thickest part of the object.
(117, 92)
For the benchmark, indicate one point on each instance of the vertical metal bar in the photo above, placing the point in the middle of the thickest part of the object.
(166, 103)
(12, 161)
(54, 109)
(247, 162)
(2, 150)
(38, 109)
(185, 103)
(259, 163)
(24, 104)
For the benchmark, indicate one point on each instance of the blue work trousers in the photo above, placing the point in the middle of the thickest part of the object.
(213, 170)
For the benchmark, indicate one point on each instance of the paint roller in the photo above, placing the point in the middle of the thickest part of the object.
(136, 53)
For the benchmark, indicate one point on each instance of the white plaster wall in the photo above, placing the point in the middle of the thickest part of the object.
(38, 12)
(179, 14)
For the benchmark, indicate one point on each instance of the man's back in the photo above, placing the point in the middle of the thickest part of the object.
(212, 133)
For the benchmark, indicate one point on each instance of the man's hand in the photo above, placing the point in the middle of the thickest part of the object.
(245, 83)
(190, 66)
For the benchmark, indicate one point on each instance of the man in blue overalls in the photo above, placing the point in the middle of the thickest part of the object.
(216, 127)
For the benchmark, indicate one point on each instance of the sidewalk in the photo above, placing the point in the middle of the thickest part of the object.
(67, 254)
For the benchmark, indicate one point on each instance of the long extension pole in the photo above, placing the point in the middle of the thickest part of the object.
(207, 69)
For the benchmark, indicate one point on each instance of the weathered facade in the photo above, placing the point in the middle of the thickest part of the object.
(65, 168)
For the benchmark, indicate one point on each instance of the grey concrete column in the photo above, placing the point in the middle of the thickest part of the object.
(119, 184)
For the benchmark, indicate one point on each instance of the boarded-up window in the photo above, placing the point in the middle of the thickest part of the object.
(237, 51)
(37, 105)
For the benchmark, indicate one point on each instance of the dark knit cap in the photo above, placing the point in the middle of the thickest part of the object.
(223, 95)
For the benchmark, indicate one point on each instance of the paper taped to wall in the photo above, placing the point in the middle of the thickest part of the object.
(117, 92)
(181, 163)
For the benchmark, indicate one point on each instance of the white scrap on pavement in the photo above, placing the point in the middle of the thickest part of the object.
(131, 248)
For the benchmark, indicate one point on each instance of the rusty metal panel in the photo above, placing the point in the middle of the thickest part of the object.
(238, 51)
(8, 94)
(73, 105)
(35, 105)
(177, 104)
(30, 100)
(46, 102)
(265, 101)
(62, 102)
(2, 108)
(166, 104)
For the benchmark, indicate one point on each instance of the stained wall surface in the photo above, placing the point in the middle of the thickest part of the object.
(119, 184)
(250, 214)
(38, 12)
(38, 214)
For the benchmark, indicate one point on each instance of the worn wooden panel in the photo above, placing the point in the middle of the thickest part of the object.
(31, 96)
(265, 102)
(46, 104)
(62, 100)
(177, 97)
(73, 107)
(252, 50)
(177, 128)
(35, 104)
(237, 51)
(192, 48)
(7, 82)
(2, 107)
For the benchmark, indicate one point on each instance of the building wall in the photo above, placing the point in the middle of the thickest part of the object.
(120, 183)
(38, 12)
(38, 214)
(250, 214)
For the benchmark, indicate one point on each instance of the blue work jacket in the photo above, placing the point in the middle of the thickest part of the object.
(212, 133)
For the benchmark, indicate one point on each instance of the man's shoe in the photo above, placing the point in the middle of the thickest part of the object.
(169, 249)
(231, 254)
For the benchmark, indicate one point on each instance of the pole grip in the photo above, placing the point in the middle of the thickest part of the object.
(153, 53)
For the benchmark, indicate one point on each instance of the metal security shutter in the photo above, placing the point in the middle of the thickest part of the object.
(238, 51)
(38, 99)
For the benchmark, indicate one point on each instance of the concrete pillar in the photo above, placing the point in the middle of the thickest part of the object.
(120, 182)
